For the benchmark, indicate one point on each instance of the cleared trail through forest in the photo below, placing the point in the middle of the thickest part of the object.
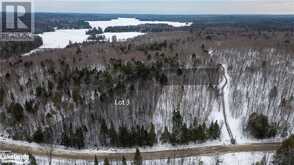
(233, 140)
(154, 154)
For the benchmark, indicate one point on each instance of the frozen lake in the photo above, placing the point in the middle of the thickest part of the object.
(60, 38)
(132, 22)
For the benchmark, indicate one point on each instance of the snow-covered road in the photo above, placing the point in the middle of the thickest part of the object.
(147, 154)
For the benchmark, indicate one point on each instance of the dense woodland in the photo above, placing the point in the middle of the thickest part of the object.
(63, 97)
(9, 49)
(127, 75)
(48, 21)
(146, 28)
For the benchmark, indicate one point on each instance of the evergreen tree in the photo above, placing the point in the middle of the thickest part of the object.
(71, 136)
(106, 161)
(38, 136)
(79, 138)
(17, 112)
(123, 137)
(285, 154)
(177, 122)
(138, 158)
(65, 139)
(259, 126)
(124, 161)
(151, 136)
(165, 136)
(216, 131)
(103, 132)
(113, 136)
(202, 132)
(213, 131)
(195, 134)
(135, 132)
(95, 160)
(32, 159)
(185, 138)
(143, 137)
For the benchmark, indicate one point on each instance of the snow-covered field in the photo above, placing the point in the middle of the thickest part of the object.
(132, 22)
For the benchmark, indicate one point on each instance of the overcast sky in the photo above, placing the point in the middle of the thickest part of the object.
(167, 6)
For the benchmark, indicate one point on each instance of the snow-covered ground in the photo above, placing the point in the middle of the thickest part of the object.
(243, 158)
(133, 22)
(235, 124)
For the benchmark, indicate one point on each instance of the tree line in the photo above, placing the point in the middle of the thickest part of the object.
(181, 134)
(140, 136)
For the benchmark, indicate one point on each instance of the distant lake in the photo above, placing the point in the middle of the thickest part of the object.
(132, 22)
(61, 37)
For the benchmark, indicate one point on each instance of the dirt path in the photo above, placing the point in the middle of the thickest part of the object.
(174, 152)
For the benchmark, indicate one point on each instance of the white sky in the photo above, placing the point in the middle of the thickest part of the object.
(167, 6)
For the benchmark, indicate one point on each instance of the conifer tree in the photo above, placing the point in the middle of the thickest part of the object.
(217, 130)
(123, 137)
(151, 136)
(65, 139)
(95, 160)
(165, 137)
(285, 154)
(103, 132)
(32, 159)
(113, 135)
(79, 138)
(106, 161)
(124, 161)
(185, 137)
(138, 158)
(177, 132)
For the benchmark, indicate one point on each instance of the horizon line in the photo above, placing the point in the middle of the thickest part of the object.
(172, 14)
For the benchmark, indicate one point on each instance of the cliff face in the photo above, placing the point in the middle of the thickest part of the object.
(57, 97)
